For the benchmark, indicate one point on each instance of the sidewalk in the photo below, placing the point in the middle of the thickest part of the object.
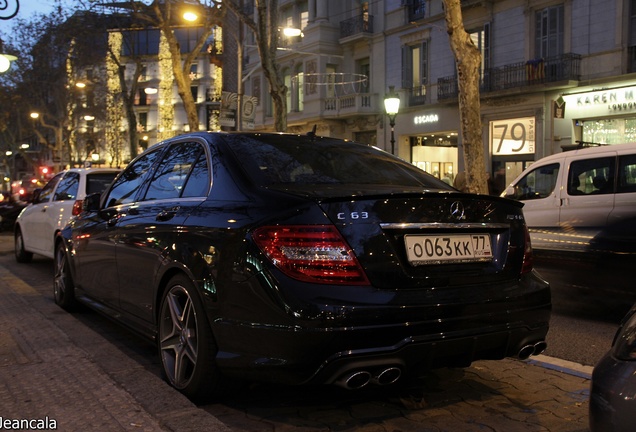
(56, 373)
(49, 383)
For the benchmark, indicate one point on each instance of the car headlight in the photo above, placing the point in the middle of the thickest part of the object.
(625, 340)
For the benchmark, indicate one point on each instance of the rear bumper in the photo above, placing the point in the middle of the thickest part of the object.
(612, 405)
(322, 340)
(303, 356)
(412, 356)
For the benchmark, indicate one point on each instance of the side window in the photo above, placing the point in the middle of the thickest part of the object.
(98, 182)
(538, 183)
(127, 185)
(626, 174)
(68, 187)
(173, 171)
(592, 176)
(47, 191)
(198, 183)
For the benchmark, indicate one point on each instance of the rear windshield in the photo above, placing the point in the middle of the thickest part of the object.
(98, 182)
(282, 159)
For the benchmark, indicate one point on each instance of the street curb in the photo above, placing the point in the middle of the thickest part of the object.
(565, 366)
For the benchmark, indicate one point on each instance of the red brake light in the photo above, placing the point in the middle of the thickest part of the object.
(528, 263)
(77, 207)
(311, 253)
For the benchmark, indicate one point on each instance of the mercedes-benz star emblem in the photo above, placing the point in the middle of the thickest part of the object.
(457, 210)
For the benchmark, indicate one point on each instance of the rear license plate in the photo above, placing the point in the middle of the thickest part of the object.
(445, 248)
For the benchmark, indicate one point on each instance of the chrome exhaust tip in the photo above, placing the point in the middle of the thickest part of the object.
(354, 380)
(526, 352)
(539, 347)
(388, 376)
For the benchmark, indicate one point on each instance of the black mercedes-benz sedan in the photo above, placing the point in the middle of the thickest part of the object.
(300, 259)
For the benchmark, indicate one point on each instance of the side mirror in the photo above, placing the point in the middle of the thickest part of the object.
(509, 192)
(91, 202)
(35, 196)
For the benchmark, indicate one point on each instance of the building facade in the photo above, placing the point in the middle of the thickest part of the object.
(554, 74)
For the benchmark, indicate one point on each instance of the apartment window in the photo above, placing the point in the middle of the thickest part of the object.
(415, 72)
(304, 18)
(288, 84)
(140, 42)
(142, 122)
(416, 9)
(287, 18)
(481, 39)
(194, 68)
(632, 37)
(299, 89)
(188, 37)
(195, 93)
(331, 81)
(363, 67)
(141, 98)
(549, 32)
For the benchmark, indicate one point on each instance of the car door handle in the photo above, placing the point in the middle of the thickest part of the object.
(168, 214)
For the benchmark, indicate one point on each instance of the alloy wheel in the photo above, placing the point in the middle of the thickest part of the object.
(178, 333)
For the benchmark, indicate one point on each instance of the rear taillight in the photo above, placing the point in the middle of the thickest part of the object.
(311, 253)
(77, 207)
(527, 253)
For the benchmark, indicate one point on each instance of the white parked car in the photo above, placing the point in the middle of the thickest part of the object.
(580, 199)
(53, 207)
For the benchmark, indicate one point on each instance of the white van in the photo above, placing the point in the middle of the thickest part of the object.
(570, 197)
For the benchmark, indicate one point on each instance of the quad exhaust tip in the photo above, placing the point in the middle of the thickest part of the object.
(361, 378)
(533, 349)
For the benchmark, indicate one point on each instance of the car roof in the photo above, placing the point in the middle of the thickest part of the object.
(621, 148)
(92, 170)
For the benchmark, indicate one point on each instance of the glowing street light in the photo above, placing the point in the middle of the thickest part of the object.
(5, 62)
(292, 32)
(190, 16)
(392, 107)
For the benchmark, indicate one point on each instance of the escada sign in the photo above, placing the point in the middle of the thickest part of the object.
(422, 119)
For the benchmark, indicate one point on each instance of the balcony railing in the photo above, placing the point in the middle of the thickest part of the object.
(515, 75)
(356, 25)
(355, 103)
(417, 95)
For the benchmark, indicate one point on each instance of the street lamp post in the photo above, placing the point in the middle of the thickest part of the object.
(392, 107)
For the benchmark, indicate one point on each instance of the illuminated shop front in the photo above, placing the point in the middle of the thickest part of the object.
(436, 154)
(433, 142)
(603, 116)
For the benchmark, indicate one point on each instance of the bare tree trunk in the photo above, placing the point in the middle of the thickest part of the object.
(468, 60)
(266, 32)
(181, 66)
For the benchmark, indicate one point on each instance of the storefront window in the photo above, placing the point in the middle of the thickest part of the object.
(609, 131)
(436, 154)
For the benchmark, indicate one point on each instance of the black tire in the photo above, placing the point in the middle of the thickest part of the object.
(63, 285)
(185, 341)
(21, 255)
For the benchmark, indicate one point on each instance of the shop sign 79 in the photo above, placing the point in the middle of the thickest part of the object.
(513, 136)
